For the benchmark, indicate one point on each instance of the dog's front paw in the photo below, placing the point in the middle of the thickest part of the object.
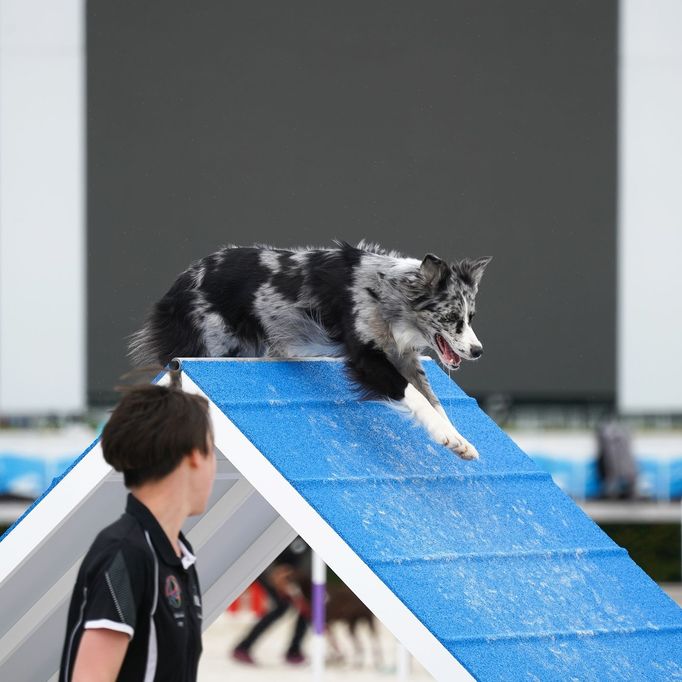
(453, 440)
(466, 450)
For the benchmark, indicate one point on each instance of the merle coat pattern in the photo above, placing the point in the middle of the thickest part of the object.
(376, 309)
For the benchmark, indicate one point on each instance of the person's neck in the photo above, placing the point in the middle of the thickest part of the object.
(162, 501)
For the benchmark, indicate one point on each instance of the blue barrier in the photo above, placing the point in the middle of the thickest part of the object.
(28, 476)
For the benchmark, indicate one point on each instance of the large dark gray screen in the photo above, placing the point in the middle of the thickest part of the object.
(462, 128)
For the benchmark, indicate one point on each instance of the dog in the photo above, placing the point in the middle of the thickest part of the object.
(344, 608)
(376, 309)
(341, 608)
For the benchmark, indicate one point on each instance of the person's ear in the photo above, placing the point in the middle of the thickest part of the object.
(194, 458)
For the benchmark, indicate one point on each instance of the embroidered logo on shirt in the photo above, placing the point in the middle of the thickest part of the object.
(173, 592)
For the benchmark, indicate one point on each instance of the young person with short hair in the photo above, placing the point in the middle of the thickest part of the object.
(135, 612)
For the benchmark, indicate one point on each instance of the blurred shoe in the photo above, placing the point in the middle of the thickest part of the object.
(295, 658)
(243, 656)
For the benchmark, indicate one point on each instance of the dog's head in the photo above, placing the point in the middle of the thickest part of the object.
(445, 307)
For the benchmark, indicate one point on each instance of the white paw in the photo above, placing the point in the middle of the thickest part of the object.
(453, 440)
(436, 422)
(467, 450)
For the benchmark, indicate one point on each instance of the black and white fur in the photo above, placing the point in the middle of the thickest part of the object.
(376, 309)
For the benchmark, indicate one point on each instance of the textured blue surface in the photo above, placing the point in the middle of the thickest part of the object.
(499, 564)
(54, 482)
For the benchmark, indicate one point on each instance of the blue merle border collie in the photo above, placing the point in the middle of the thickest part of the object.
(376, 309)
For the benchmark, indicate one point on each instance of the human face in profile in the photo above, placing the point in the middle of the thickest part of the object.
(203, 468)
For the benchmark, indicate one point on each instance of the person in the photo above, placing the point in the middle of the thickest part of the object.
(616, 465)
(280, 581)
(135, 612)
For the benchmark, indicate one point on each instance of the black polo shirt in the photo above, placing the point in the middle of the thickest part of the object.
(132, 581)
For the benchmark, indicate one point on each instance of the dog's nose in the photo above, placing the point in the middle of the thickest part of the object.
(476, 352)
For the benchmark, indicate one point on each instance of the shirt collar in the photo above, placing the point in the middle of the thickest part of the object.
(187, 558)
(158, 536)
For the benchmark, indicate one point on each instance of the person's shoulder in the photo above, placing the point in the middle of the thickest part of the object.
(126, 530)
(126, 537)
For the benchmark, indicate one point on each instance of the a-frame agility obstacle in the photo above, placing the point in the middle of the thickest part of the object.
(484, 570)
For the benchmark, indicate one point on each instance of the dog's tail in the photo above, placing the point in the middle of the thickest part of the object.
(143, 345)
(170, 329)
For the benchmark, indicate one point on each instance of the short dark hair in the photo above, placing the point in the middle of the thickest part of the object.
(152, 429)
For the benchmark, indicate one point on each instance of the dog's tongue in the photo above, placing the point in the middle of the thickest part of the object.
(450, 356)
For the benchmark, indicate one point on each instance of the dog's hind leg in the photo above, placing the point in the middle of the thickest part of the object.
(357, 644)
(377, 652)
(335, 653)
(379, 378)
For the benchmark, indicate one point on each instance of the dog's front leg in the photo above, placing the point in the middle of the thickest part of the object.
(438, 426)
(410, 367)
(380, 378)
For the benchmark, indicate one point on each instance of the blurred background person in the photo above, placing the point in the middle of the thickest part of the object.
(282, 583)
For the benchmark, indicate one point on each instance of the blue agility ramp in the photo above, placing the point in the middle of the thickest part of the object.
(484, 570)
(503, 570)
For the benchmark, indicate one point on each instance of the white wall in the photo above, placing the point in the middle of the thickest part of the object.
(42, 197)
(42, 200)
(650, 207)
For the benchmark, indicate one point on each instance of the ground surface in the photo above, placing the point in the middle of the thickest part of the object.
(217, 666)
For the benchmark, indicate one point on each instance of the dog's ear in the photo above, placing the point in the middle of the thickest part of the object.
(470, 270)
(434, 270)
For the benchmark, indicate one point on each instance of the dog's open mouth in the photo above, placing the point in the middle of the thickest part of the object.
(447, 355)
